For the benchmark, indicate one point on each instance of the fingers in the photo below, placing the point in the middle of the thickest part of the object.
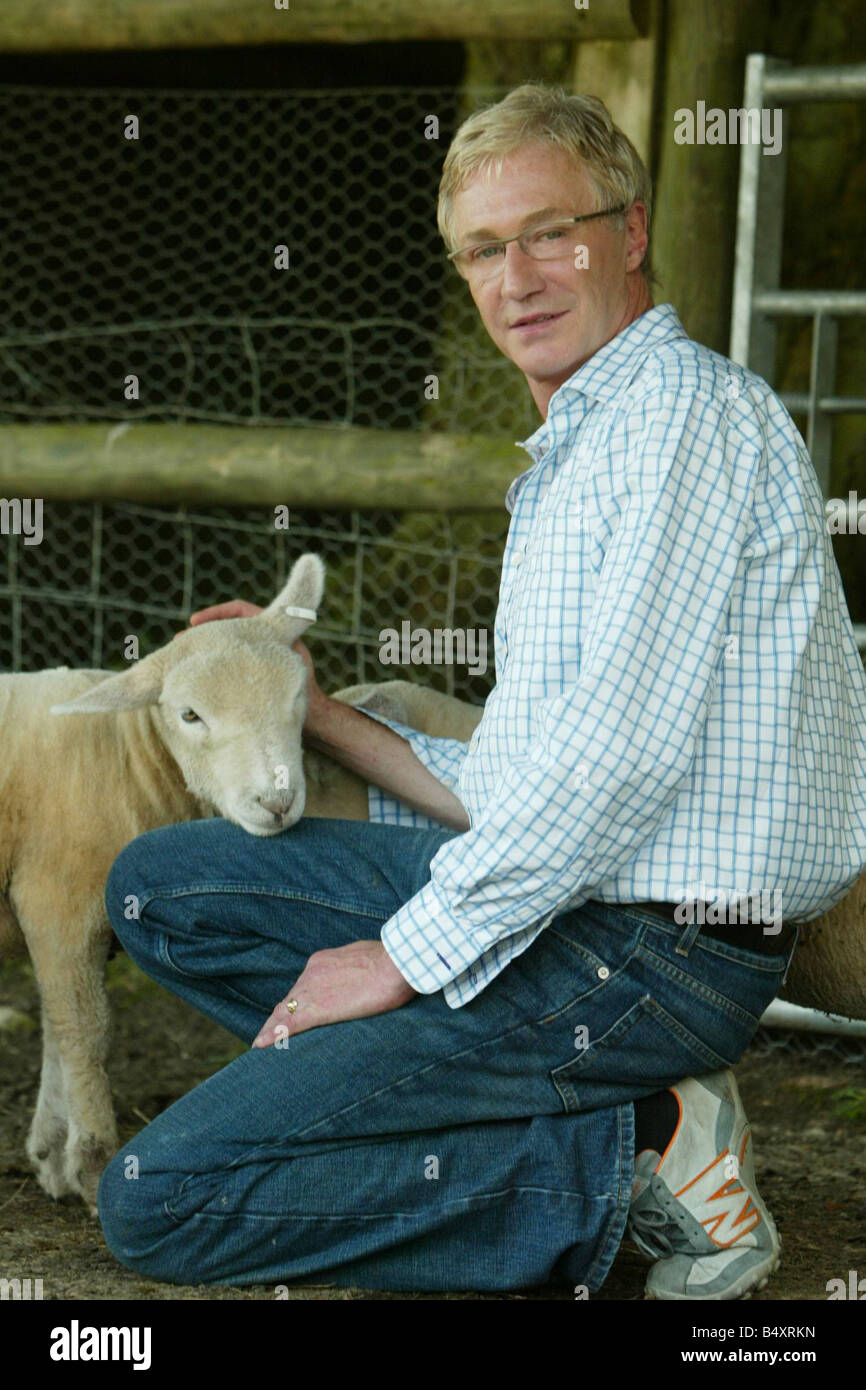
(303, 652)
(234, 608)
(281, 1023)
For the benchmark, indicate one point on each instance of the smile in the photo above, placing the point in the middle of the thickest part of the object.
(536, 321)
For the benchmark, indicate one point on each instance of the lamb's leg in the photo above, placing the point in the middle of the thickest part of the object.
(71, 979)
(46, 1144)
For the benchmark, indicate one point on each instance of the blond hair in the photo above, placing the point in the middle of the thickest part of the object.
(534, 113)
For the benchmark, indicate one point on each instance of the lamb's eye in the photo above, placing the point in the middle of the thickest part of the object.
(189, 716)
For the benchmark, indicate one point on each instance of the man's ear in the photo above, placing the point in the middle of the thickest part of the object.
(297, 604)
(140, 685)
(637, 236)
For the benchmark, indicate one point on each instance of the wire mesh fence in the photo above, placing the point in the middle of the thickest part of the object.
(105, 571)
(156, 258)
(850, 1052)
(250, 257)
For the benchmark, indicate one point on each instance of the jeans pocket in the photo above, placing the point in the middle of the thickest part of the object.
(647, 1049)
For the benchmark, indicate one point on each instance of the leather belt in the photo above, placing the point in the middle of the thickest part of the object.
(749, 935)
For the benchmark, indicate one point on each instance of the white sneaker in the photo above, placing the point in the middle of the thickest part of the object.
(696, 1209)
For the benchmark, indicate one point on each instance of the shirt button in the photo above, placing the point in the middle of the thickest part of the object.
(603, 972)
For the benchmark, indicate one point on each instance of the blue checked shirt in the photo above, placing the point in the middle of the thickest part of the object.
(680, 706)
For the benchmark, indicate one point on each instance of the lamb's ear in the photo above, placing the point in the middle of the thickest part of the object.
(140, 685)
(301, 596)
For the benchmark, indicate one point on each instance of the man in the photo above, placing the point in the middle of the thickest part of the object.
(505, 1039)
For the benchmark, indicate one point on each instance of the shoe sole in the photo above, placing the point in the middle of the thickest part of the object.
(743, 1288)
(734, 1293)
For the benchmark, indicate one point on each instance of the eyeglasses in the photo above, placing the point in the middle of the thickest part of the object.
(551, 242)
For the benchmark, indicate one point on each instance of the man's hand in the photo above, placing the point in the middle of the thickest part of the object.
(234, 608)
(351, 981)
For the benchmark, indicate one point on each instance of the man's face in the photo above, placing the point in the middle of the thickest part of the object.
(590, 305)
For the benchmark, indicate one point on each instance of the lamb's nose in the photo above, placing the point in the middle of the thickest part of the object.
(280, 806)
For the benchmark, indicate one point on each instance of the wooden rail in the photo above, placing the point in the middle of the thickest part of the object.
(118, 24)
(235, 465)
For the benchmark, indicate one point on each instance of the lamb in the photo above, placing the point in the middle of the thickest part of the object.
(209, 724)
(828, 970)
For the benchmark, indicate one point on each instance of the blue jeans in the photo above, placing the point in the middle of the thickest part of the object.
(489, 1147)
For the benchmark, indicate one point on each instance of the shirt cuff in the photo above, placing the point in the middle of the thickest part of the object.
(421, 951)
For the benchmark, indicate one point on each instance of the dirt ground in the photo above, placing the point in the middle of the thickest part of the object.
(808, 1113)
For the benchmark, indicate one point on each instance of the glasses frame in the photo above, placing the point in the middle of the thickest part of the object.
(527, 232)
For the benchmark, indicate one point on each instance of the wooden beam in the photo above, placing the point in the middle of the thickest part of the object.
(236, 465)
(114, 24)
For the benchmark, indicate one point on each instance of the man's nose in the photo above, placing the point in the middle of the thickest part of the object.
(520, 272)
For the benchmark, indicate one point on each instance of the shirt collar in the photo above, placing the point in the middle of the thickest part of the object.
(605, 374)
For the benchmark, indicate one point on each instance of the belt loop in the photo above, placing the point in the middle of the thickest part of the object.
(688, 938)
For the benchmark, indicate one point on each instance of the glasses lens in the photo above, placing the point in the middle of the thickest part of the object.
(553, 240)
(478, 263)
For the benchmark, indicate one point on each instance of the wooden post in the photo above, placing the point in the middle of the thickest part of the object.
(696, 185)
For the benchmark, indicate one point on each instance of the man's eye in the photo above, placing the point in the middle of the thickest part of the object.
(488, 250)
(549, 234)
(189, 716)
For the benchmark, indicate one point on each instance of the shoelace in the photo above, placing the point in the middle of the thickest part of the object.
(652, 1227)
(648, 1230)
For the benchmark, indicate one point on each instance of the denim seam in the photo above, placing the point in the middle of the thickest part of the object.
(162, 949)
(613, 1236)
(256, 890)
(696, 1044)
(486, 1197)
(416, 1074)
(303, 1135)
(578, 948)
(578, 999)
(705, 992)
(593, 989)
(645, 1007)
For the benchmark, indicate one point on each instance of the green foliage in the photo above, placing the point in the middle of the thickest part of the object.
(850, 1103)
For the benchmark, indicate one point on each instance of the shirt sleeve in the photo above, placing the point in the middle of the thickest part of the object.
(609, 753)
